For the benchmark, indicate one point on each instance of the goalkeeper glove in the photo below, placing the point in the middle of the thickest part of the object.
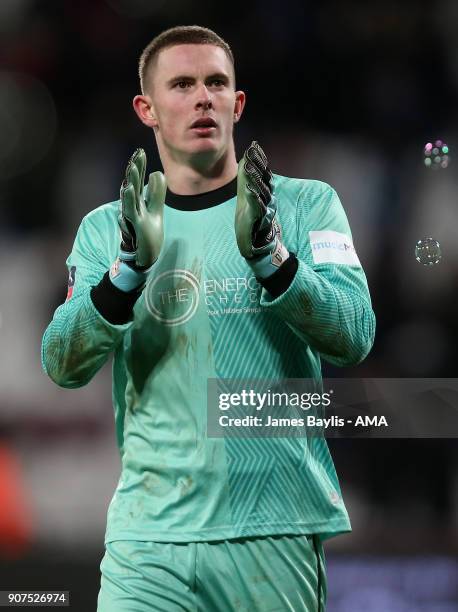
(141, 223)
(257, 231)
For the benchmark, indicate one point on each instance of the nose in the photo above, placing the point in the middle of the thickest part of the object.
(204, 100)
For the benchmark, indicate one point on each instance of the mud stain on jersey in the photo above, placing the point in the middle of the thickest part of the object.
(185, 485)
(182, 343)
(196, 268)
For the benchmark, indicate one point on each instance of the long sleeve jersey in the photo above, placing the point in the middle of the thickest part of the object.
(203, 315)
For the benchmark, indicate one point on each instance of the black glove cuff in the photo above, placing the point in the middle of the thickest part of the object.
(114, 305)
(280, 280)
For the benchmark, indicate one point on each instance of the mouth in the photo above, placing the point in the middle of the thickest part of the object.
(204, 126)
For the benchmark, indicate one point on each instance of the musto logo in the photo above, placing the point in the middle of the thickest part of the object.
(172, 297)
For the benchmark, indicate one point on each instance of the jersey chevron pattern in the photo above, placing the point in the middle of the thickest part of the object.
(203, 315)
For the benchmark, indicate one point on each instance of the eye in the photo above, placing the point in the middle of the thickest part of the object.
(182, 84)
(217, 82)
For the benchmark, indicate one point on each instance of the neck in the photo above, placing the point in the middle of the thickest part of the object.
(199, 175)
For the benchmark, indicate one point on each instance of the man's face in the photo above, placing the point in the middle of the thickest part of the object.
(194, 102)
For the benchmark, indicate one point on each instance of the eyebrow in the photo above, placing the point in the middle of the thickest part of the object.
(186, 77)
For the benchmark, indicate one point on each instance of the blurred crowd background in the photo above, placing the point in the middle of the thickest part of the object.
(343, 91)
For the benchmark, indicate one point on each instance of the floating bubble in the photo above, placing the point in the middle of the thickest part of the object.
(436, 155)
(428, 252)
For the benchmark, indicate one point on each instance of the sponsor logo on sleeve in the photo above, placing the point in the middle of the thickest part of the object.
(333, 247)
(71, 282)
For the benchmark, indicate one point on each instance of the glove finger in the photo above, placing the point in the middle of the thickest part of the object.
(252, 170)
(256, 199)
(130, 163)
(253, 175)
(133, 179)
(252, 178)
(139, 159)
(248, 210)
(258, 168)
(129, 202)
(256, 155)
(155, 193)
(122, 225)
(265, 193)
(259, 188)
(267, 178)
(128, 239)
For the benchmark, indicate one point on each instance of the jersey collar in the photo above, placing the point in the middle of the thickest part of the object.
(200, 201)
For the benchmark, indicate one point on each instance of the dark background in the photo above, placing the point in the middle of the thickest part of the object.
(346, 92)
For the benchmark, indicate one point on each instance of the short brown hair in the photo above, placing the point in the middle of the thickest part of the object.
(179, 35)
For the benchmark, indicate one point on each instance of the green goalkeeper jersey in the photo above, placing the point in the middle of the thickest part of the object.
(204, 315)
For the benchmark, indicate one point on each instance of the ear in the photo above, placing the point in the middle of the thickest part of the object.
(240, 99)
(143, 106)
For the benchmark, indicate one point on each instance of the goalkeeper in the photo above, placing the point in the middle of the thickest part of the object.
(213, 270)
